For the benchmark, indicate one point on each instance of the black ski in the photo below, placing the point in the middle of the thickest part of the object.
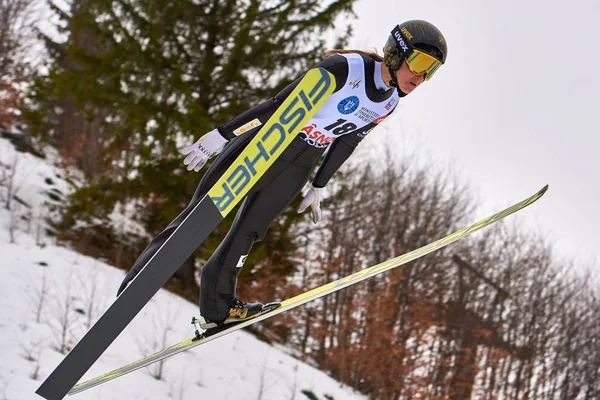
(269, 143)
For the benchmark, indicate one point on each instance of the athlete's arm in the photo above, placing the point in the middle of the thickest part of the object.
(335, 64)
(339, 151)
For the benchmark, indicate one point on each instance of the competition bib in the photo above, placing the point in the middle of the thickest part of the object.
(348, 109)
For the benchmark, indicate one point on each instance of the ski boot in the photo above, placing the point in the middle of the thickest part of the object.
(237, 312)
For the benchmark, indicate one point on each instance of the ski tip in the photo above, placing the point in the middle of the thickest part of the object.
(541, 192)
(536, 196)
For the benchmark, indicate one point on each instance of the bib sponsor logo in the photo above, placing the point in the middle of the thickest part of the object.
(366, 115)
(355, 84)
(315, 137)
(246, 127)
(348, 105)
(390, 104)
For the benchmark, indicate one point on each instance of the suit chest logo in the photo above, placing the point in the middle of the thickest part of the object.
(348, 105)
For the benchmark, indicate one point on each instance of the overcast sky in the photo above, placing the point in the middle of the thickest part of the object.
(515, 106)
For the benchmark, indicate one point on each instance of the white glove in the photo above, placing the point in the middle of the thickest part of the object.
(207, 146)
(313, 198)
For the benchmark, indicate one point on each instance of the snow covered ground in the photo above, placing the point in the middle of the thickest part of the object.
(50, 295)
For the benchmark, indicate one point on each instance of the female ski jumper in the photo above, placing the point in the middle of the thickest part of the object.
(361, 100)
(414, 51)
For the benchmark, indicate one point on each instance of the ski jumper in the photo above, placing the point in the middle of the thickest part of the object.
(360, 101)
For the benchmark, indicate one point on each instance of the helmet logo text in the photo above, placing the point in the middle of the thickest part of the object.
(401, 41)
(406, 33)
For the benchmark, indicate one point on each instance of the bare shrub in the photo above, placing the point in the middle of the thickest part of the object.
(8, 180)
(62, 318)
(93, 295)
(157, 338)
(17, 21)
(264, 383)
(38, 296)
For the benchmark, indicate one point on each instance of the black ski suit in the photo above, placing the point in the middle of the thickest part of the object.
(274, 191)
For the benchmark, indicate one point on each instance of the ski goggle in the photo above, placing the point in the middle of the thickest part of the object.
(422, 63)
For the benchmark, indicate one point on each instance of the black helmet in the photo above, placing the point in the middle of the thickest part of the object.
(410, 35)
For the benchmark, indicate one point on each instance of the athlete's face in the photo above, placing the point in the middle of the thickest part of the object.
(407, 80)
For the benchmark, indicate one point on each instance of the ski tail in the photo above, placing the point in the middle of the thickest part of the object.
(313, 294)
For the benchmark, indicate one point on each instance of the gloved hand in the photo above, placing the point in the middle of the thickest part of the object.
(313, 198)
(199, 153)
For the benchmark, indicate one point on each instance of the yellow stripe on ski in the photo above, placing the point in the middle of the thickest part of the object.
(283, 126)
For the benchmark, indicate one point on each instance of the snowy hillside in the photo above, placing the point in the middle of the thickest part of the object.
(50, 295)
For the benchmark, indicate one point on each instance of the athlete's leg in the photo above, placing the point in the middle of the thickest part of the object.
(259, 209)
